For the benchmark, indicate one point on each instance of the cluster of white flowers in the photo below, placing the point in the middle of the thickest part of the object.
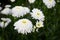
(37, 14)
(24, 25)
(5, 22)
(38, 25)
(18, 11)
(49, 3)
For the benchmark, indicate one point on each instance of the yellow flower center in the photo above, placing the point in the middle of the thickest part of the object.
(38, 14)
(50, 0)
(38, 24)
(24, 22)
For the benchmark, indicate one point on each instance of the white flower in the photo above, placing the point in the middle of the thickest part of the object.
(12, 0)
(39, 24)
(7, 6)
(2, 24)
(5, 22)
(26, 9)
(37, 30)
(49, 3)
(0, 8)
(23, 26)
(18, 11)
(31, 1)
(34, 28)
(6, 11)
(37, 14)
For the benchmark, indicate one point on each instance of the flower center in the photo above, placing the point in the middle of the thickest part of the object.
(50, 0)
(24, 22)
(38, 14)
(38, 24)
(18, 8)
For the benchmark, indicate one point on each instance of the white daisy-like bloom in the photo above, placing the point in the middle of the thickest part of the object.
(37, 14)
(19, 11)
(39, 24)
(26, 9)
(7, 6)
(6, 11)
(31, 1)
(23, 26)
(12, 0)
(0, 8)
(6, 19)
(5, 22)
(49, 3)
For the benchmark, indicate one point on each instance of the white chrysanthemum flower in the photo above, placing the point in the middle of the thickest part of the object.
(18, 11)
(31, 1)
(39, 24)
(23, 26)
(5, 22)
(12, 0)
(6, 11)
(0, 8)
(26, 9)
(7, 6)
(37, 14)
(49, 3)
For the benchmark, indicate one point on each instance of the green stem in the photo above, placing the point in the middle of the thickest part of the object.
(22, 37)
(2, 32)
